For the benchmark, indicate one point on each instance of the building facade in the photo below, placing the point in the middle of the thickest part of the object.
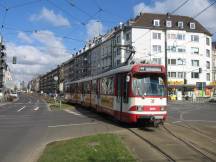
(179, 42)
(214, 62)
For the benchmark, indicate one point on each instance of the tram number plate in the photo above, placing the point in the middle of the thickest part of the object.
(158, 117)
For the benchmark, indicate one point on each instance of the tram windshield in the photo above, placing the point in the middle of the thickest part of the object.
(148, 86)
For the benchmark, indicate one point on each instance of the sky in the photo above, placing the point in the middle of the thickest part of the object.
(44, 33)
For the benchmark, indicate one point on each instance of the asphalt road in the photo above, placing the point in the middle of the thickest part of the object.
(26, 126)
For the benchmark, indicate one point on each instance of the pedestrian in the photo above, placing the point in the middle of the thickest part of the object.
(194, 97)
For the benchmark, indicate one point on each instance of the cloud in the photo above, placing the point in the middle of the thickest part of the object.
(191, 8)
(24, 37)
(51, 17)
(34, 60)
(94, 28)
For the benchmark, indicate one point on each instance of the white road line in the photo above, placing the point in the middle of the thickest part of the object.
(176, 122)
(68, 125)
(21, 109)
(71, 112)
(36, 109)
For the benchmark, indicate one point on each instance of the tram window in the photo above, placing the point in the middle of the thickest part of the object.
(86, 87)
(119, 86)
(107, 86)
(94, 86)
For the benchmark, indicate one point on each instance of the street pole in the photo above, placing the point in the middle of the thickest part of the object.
(165, 48)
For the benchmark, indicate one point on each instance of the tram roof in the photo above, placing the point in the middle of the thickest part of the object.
(121, 69)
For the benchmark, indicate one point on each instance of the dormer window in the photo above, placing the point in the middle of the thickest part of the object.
(192, 25)
(169, 23)
(156, 23)
(181, 24)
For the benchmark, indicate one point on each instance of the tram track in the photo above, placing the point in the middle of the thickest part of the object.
(195, 130)
(191, 145)
(163, 153)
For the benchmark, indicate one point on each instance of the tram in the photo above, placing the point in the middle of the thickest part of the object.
(131, 94)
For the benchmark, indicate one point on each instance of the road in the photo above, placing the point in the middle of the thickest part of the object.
(26, 126)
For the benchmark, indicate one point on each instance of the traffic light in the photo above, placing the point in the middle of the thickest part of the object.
(14, 59)
(200, 70)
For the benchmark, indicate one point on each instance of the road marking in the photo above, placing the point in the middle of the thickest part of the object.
(176, 122)
(71, 112)
(36, 109)
(68, 125)
(21, 109)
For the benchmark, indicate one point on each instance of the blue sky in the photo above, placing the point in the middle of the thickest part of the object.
(44, 33)
(19, 15)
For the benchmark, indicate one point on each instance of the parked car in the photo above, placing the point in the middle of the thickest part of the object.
(13, 94)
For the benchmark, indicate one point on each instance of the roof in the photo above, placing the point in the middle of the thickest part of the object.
(146, 20)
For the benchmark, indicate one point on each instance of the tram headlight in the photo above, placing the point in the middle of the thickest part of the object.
(163, 108)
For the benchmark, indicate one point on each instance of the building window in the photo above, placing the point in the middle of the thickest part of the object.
(207, 53)
(181, 24)
(156, 35)
(172, 61)
(192, 26)
(156, 61)
(169, 23)
(173, 74)
(181, 74)
(156, 48)
(181, 61)
(194, 38)
(171, 49)
(171, 36)
(181, 49)
(195, 63)
(156, 23)
(207, 64)
(208, 76)
(194, 75)
(118, 39)
(194, 50)
(207, 41)
(118, 62)
(181, 36)
(127, 36)
(118, 51)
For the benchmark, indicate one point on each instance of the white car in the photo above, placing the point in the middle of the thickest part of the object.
(13, 94)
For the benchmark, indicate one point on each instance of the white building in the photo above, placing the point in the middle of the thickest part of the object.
(214, 62)
(189, 58)
(142, 40)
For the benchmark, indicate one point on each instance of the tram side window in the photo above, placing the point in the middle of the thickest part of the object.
(118, 86)
(79, 88)
(86, 87)
(94, 86)
(107, 86)
(73, 88)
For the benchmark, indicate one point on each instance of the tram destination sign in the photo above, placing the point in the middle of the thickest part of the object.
(150, 69)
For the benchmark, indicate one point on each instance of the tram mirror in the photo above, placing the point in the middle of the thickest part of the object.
(127, 78)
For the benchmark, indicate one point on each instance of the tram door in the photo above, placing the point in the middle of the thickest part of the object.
(122, 95)
(119, 95)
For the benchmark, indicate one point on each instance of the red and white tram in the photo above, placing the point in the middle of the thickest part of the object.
(135, 93)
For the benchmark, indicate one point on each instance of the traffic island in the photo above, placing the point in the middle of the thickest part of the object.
(101, 147)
